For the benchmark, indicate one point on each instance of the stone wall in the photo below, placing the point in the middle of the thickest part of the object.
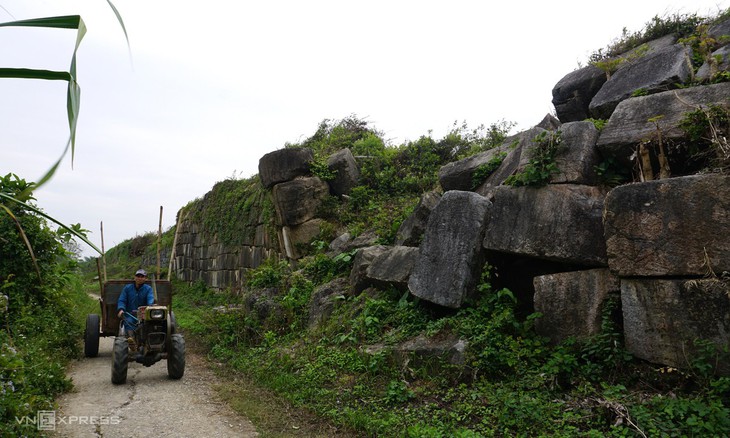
(218, 257)
(271, 215)
(201, 257)
(660, 246)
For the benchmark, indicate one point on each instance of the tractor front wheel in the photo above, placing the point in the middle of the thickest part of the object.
(91, 336)
(176, 357)
(120, 355)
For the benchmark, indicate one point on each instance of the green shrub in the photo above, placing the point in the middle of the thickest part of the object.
(468, 142)
(333, 135)
(226, 210)
(271, 273)
(298, 293)
(681, 25)
(598, 123)
(604, 354)
(610, 173)
(321, 268)
(482, 172)
(398, 392)
(680, 416)
(320, 169)
(542, 161)
(707, 131)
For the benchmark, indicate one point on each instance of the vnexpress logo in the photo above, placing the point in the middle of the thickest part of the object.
(46, 420)
(43, 420)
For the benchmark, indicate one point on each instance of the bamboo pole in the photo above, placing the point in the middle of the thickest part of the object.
(159, 242)
(664, 170)
(154, 288)
(647, 171)
(103, 251)
(98, 275)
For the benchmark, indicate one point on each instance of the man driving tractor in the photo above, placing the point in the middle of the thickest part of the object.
(134, 295)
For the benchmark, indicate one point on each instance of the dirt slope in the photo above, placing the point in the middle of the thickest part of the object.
(149, 404)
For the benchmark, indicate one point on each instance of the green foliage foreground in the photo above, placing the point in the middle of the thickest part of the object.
(42, 311)
(512, 383)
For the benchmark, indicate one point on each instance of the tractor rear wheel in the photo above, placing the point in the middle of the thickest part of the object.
(91, 336)
(120, 355)
(176, 357)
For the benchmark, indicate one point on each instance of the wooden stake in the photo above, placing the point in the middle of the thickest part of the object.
(98, 275)
(647, 171)
(103, 251)
(664, 170)
(159, 242)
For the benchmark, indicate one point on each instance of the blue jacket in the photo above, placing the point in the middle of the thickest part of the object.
(131, 298)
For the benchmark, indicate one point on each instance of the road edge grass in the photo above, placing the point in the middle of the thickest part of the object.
(271, 415)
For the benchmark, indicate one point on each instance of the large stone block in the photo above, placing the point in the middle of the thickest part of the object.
(284, 165)
(669, 227)
(571, 303)
(653, 72)
(518, 149)
(574, 92)
(431, 353)
(721, 57)
(298, 237)
(629, 124)
(450, 257)
(663, 319)
(459, 175)
(719, 30)
(560, 222)
(549, 122)
(358, 274)
(297, 201)
(392, 268)
(323, 301)
(577, 154)
(346, 243)
(347, 173)
(411, 230)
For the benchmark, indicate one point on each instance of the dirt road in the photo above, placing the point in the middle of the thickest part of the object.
(149, 404)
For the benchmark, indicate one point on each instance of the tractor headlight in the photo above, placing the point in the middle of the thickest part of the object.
(157, 314)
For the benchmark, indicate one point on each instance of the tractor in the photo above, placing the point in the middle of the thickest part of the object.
(154, 338)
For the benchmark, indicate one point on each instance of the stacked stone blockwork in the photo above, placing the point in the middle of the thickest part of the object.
(659, 247)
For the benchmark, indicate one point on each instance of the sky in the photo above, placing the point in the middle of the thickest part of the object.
(205, 89)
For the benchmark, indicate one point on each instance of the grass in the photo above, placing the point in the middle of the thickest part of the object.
(34, 351)
(272, 415)
(332, 381)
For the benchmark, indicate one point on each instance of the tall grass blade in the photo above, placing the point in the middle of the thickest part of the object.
(61, 22)
(119, 18)
(26, 73)
(73, 95)
(40, 213)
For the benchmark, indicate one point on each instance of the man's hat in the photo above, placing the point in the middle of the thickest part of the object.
(140, 272)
